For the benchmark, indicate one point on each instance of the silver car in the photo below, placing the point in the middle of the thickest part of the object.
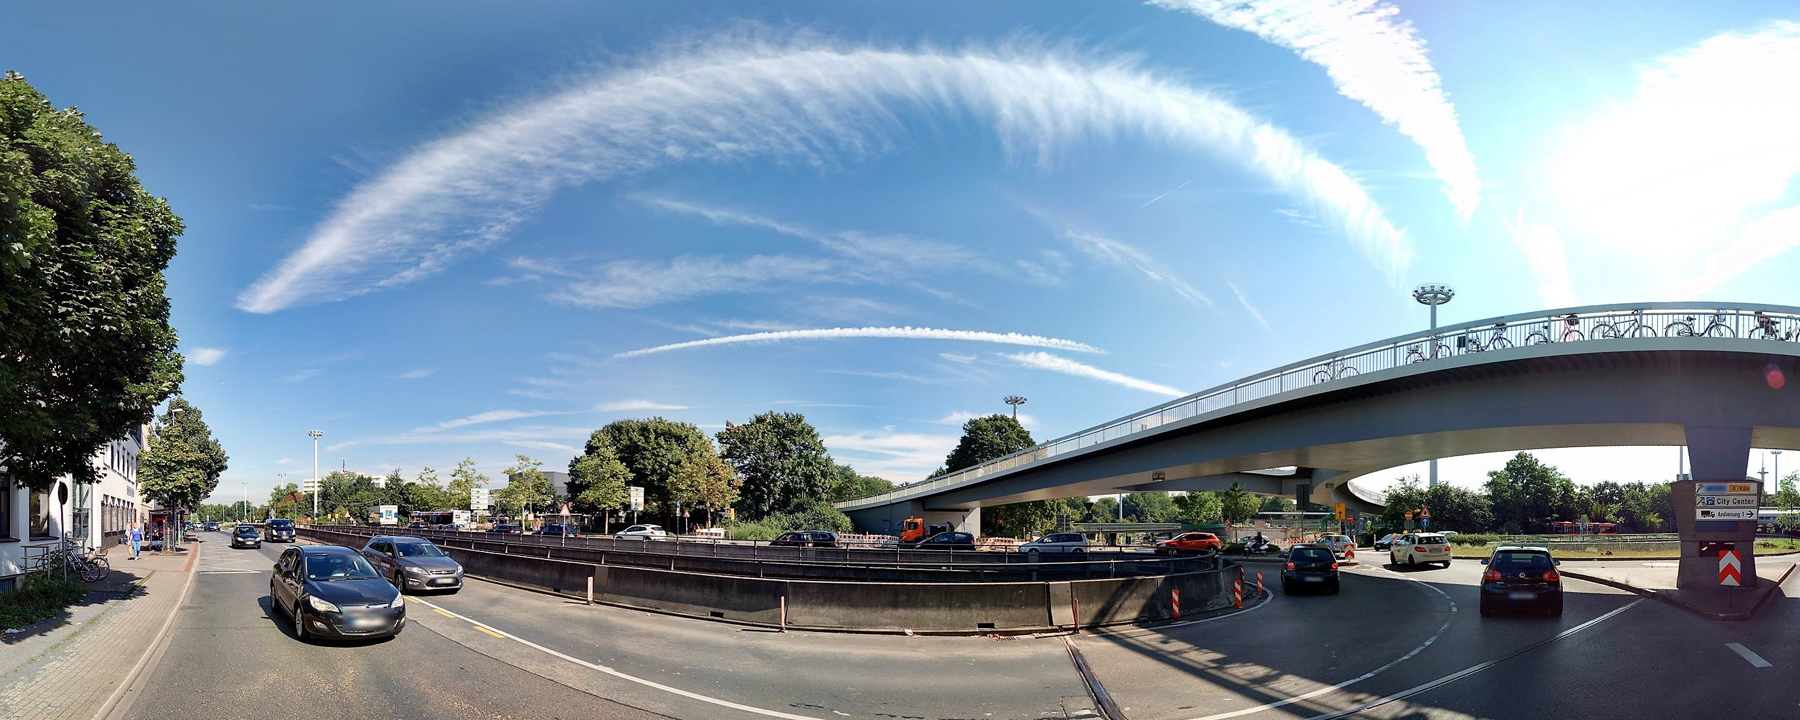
(642, 532)
(1064, 542)
(413, 564)
(1340, 545)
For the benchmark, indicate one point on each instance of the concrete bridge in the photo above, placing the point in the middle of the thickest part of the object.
(1710, 376)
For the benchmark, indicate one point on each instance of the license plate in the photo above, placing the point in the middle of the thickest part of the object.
(1520, 595)
(443, 581)
(367, 622)
(1314, 579)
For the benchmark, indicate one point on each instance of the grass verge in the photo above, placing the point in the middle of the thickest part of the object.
(38, 596)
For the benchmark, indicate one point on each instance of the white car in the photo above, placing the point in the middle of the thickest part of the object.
(1340, 545)
(642, 532)
(1415, 548)
(1063, 542)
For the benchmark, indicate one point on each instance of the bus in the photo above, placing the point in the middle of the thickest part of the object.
(1593, 528)
(432, 519)
(1768, 521)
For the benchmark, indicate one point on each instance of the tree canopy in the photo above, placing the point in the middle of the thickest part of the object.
(1528, 495)
(987, 438)
(183, 463)
(597, 482)
(464, 478)
(528, 488)
(780, 459)
(654, 450)
(87, 352)
(848, 484)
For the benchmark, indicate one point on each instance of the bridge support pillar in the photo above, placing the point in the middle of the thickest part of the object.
(1718, 454)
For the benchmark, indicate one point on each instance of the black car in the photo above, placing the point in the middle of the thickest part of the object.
(807, 538)
(559, 530)
(412, 563)
(246, 536)
(1386, 542)
(1521, 577)
(505, 529)
(946, 541)
(209, 526)
(1310, 566)
(278, 530)
(332, 592)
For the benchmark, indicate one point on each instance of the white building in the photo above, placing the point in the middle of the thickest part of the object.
(97, 515)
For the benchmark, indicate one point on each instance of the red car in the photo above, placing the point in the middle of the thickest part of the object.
(1194, 542)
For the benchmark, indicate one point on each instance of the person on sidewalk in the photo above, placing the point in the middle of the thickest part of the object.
(137, 539)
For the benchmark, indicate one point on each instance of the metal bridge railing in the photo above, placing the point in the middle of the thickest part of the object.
(1597, 323)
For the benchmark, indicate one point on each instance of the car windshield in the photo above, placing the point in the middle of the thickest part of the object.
(335, 566)
(246, 530)
(1521, 560)
(281, 524)
(1312, 555)
(417, 549)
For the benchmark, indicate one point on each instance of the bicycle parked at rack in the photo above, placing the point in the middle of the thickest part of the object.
(1417, 353)
(86, 565)
(1768, 328)
(1471, 341)
(1333, 370)
(1634, 327)
(1571, 332)
(1716, 328)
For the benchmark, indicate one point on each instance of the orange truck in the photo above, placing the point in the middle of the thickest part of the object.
(915, 529)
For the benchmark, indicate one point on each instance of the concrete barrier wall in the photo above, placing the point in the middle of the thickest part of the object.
(970, 607)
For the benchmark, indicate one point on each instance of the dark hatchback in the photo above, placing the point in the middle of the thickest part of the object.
(332, 592)
(946, 541)
(1310, 566)
(246, 536)
(505, 529)
(806, 538)
(1521, 578)
(557, 530)
(278, 530)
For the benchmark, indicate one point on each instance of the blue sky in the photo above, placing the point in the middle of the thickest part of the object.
(431, 229)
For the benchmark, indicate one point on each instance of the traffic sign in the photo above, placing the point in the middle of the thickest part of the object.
(1717, 501)
(1409, 515)
(1738, 488)
(1731, 569)
(1339, 510)
(637, 497)
(1425, 513)
(1748, 513)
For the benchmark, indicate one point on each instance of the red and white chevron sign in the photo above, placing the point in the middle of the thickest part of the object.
(1731, 569)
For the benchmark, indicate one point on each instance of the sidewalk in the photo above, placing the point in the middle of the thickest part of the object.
(69, 666)
(1656, 579)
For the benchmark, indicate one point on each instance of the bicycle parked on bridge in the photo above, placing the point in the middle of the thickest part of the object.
(1716, 328)
(1334, 370)
(1472, 341)
(1768, 328)
(1417, 352)
(1633, 327)
(1571, 332)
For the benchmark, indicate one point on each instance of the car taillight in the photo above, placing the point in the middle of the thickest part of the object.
(1290, 566)
(1334, 566)
(1551, 576)
(1491, 575)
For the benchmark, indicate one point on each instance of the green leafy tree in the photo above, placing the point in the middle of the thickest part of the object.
(654, 450)
(1276, 504)
(529, 488)
(1459, 509)
(779, 457)
(285, 500)
(463, 479)
(848, 484)
(1150, 506)
(708, 483)
(1530, 495)
(183, 463)
(987, 438)
(1200, 508)
(597, 484)
(86, 350)
(1237, 504)
(1406, 495)
(1105, 509)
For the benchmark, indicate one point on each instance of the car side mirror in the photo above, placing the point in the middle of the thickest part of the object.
(1555, 562)
(1484, 561)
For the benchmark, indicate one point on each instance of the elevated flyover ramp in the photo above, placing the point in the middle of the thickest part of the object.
(1709, 376)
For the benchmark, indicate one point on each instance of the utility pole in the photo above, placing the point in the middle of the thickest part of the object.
(1433, 295)
(318, 483)
(246, 512)
(1777, 454)
(1015, 401)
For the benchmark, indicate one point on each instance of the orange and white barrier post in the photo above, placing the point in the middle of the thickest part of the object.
(1259, 587)
(1237, 593)
(1175, 602)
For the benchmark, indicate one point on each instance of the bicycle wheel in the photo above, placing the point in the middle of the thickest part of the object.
(101, 568)
(1345, 372)
(1321, 376)
(1605, 331)
(1720, 330)
(1643, 330)
(1679, 328)
(1573, 336)
(1500, 343)
(1537, 338)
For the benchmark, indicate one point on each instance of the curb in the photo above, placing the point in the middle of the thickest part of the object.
(1670, 600)
(121, 698)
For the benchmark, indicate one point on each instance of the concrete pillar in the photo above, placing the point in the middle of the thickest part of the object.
(1718, 454)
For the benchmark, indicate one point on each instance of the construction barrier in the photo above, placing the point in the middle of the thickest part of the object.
(1175, 603)
(1259, 587)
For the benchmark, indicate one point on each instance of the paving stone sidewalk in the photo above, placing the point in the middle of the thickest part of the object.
(68, 666)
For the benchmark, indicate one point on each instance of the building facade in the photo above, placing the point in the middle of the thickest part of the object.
(97, 514)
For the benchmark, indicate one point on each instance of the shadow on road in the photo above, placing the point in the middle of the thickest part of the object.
(285, 624)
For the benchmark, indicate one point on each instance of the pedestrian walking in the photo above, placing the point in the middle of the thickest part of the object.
(137, 539)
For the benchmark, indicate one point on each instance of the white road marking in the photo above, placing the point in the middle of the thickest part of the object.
(1372, 673)
(615, 673)
(1472, 669)
(1266, 599)
(1755, 659)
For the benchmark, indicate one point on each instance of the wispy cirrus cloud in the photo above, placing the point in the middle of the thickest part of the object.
(1060, 364)
(301, 376)
(417, 373)
(738, 98)
(642, 283)
(205, 356)
(542, 445)
(1375, 58)
(958, 417)
(497, 416)
(636, 405)
(284, 461)
(898, 457)
(1547, 258)
(1244, 300)
(907, 333)
(1114, 252)
(886, 252)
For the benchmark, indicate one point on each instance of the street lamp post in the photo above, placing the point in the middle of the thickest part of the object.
(1433, 295)
(317, 483)
(1777, 454)
(245, 515)
(1015, 401)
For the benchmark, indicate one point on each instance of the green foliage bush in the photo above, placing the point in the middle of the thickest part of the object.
(803, 515)
(38, 596)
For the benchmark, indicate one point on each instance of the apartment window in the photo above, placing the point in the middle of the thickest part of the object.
(39, 517)
(6, 503)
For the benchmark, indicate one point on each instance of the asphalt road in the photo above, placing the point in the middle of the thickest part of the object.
(1396, 643)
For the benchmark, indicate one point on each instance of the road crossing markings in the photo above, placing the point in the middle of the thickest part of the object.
(1755, 659)
(616, 673)
(1472, 669)
(1372, 673)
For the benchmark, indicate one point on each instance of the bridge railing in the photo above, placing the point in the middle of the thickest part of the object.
(1596, 323)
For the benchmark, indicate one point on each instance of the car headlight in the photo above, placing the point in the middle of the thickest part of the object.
(321, 605)
(410, 570)
(399, 601)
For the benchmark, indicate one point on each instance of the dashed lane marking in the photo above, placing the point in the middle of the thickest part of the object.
(440, 611)
(489, 631)
(1750, 655)
(615, 673)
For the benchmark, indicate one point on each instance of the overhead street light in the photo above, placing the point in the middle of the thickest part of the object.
(318, 484)
(1015, 401)
(1433, 295)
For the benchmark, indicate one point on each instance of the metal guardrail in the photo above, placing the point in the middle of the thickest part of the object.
(1594, 323)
